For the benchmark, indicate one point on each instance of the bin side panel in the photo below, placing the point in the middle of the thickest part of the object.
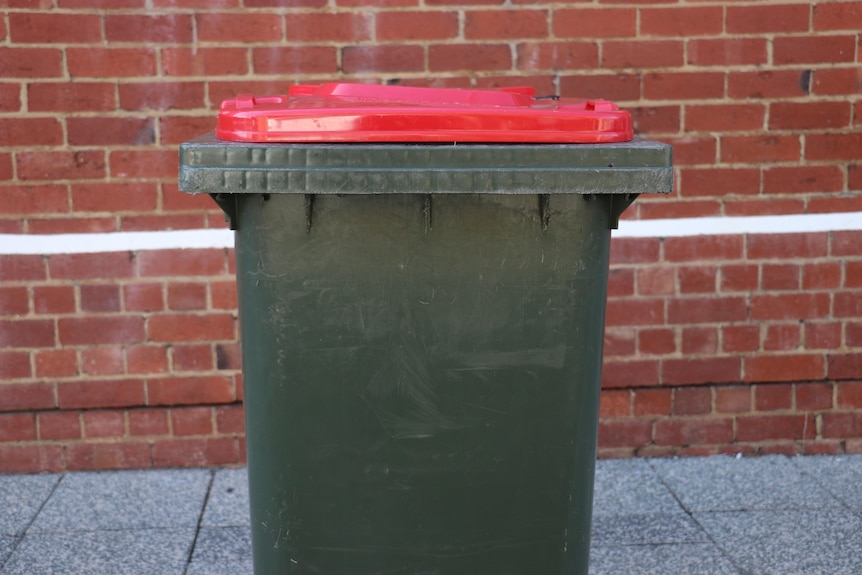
(422, 387)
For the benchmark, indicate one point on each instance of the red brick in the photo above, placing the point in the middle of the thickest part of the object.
(104, 360)
(161, 95)
(633, 373)
(697, 279)
(77, 225)
(655, 281)
(853, 274)
(621, 282)
(104, 424)
(766, 427)
(392, 25)
(814, 396)
(762, 19)
(809, 115)
(594, 23)
(780, 277)
(682, 22)
(452, 57)
(707, 310)
(699, 340)
(842, 425)
(838, 16)
(101, 330)
(615, 404)
(187, 296)
(773, 397)
(228, 356)
(146, 359)
(748, 149)
(720, 181)
(143, 297)
(813, 49)
(230, 419)
(195, 452)
(694, 431)
(56, 363)
(854, 334)
(30, 131)
(616, 87)
(619, 342)
(652, 402)
(10, 96)
(649, 119)
(740, 338)
(624, 433)
(59, 425)
(787, 246)
(91, 266)
(636, 311)
(110, 131)
(71, 97)
(692, 401)
(782, 337)
(843, 244)
(17, 427)
(190, 390)
(823, 335)
(209, 62)
(328, 27)
(742, 277)
(188, 327)
(114, 197)
(24, 396)
(724, 117)
(642, 54)
(683, 85)
(223, 295)
(102, 4)
(833, 146)
(148, 422)
(42, 28)
(23, 333)
(836, 81)
(14, 301)
(634, 250)
(100, 298)
(784, 368)
(736, 399)
(357, 59)
(698, 371)
(18, 62)
(30, 458)
(100, 394)
(113, 455)
(143, 164)
(173, 263)
(844, 366)
(36, 199)
(802, 179)
(659, 341)
(822, 448)
(192, 421)
(53, 166)
(193, 357)
(173, 28)
(767, 84)
(699, 248)
(789, 306)
(505, 24)
(727, 51)
(92, 62)
(295, 59)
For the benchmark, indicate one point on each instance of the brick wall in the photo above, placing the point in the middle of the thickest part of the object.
(747, 342)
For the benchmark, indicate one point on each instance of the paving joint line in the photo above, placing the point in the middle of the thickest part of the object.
(26, 530)
(200, 521)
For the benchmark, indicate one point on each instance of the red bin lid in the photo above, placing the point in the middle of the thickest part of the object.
(345, 112)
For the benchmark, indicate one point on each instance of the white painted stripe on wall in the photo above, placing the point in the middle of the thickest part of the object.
(789, 224)
(114, 242)
(220, 238)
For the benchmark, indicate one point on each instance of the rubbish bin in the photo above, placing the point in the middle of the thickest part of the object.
(421, 320)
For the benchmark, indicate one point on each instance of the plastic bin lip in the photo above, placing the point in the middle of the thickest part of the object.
(349, 112)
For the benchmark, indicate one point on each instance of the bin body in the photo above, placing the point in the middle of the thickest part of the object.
(421, 361)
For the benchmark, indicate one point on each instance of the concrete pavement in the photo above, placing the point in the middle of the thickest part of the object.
(718, 515)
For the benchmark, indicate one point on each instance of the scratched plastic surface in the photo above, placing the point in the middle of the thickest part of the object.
(346, 112)
(421, 381)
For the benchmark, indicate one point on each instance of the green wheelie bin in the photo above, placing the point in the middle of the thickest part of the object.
(422, 277)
